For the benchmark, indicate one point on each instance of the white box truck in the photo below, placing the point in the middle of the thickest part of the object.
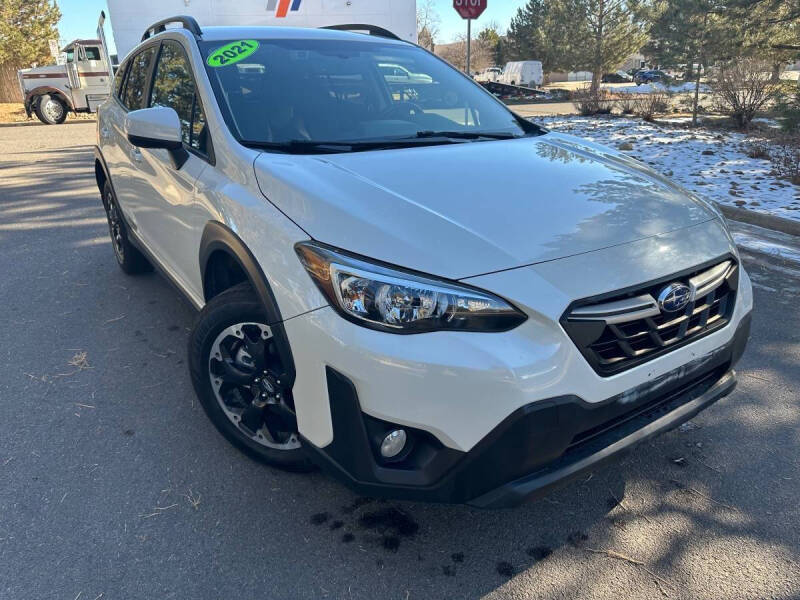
(129, 19)
(526, 73)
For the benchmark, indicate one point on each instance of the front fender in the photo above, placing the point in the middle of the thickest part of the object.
(218, 237)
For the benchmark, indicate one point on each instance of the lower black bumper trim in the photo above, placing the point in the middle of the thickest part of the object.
(534, 449)
(540, 483)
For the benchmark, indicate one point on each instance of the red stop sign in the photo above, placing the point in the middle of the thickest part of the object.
(470, 9)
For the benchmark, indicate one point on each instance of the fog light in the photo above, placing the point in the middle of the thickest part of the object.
(393, 444)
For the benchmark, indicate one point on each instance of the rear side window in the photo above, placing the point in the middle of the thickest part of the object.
(136, 87)
(174, 88)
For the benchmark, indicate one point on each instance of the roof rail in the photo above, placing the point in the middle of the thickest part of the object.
(368, 29)
(188, 23)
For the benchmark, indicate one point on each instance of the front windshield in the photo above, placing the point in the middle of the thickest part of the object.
(306, 91)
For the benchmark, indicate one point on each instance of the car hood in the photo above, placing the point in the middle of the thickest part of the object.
(467, 209)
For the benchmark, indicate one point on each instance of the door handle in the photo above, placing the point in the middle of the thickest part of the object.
(105, 132)
(136, 154)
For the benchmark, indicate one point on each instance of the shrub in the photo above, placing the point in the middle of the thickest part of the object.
(742, 87)
(589, 103)
(786, 157)
(758, 149)
(627, 104)
(648, 106)
(788, 108)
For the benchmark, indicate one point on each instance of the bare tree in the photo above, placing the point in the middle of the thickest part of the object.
(483, 53)
(428, 23)
(742, 87)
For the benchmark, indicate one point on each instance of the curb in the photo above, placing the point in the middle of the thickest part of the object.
(35, 123)
(761, 220)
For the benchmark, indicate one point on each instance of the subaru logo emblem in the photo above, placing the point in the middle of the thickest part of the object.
(674, 297)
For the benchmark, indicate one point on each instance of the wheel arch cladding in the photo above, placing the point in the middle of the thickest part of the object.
(101, 174)
(221, 249)
(100, 177)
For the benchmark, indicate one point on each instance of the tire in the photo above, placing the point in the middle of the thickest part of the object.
(129, 259)
(231, 395)
(50, 110)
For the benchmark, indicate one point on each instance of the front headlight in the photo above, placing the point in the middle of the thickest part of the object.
(395, 301)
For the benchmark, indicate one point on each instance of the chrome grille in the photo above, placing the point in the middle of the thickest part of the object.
(621, 330)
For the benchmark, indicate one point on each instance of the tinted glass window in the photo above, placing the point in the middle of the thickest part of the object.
(119, 79)
(134, 97)
(92, 53)
(174, 87)
(70, 54)
(333, 90)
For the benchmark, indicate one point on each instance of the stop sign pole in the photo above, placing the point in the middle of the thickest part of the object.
(469, 9)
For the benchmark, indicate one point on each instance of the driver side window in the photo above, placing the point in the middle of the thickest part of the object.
(92, 53)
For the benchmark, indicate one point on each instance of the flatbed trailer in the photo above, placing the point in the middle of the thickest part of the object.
(505, 90)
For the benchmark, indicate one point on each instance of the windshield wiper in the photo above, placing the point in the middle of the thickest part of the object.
(468, 135)
(315, 147)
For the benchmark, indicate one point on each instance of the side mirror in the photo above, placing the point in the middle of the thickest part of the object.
(157, 127)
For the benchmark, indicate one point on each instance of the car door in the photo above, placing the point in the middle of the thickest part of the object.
(171, 218)
(94, 76)
(110, 130)
(126, 159)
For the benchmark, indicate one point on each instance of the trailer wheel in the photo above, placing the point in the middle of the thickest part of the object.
(51, 110)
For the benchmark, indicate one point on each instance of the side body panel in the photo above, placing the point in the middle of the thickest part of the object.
(171, 215)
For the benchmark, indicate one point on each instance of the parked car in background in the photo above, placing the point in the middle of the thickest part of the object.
(617, 77)
(399, 74)
(526, 73)
(490, 74)
(649, 76)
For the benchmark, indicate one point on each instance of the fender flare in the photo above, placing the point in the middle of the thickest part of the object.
(45, 90)
(100, 165)
(218, 237)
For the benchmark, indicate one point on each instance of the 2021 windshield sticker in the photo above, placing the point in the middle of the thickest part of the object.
(232, 53)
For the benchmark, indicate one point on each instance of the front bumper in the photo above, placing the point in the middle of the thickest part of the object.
(536, 448)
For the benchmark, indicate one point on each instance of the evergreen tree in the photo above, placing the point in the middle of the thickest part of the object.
(596, 35)
(697, 34)
(693, 35)
(541, 30)
(608, 32)
(490, 41)
(25, 28)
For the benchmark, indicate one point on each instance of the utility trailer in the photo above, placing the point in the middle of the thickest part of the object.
(505, 90)
(130, 19)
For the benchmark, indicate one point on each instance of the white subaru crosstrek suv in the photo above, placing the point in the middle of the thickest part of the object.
(375, 300)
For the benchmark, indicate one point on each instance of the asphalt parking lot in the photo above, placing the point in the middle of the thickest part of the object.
(113, 484)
